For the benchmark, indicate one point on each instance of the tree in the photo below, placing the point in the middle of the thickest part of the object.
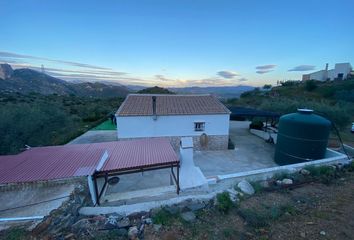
(310, 85)
(267, 86)
(155, 90)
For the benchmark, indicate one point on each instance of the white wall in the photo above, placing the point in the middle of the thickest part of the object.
(179, 125)
(344, 68)
(319, 75)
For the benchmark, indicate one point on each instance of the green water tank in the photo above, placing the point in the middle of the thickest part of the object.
(302, 136)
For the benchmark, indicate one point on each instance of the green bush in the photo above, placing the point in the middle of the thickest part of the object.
(310, 85)
(340, 113)
(256, 219)
(323, 173)
(16, 234)
(257, 186)
(224, 203)
(264, 215)
(163, 217)
(256, 124)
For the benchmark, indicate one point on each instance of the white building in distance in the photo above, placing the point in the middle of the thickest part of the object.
(202, 117)
(341, 71)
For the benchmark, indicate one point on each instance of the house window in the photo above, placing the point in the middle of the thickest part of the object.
(199, 126)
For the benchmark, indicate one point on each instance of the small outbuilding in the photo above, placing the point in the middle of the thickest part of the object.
(202, 117)
(95, 162)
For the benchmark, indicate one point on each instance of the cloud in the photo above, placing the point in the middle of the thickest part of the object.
(266, 67)
(161, 77)
(263, 71)
(302, 68)
(74, 64)
(227, 74)
(93, 72)
(82, 71)
(242, 79)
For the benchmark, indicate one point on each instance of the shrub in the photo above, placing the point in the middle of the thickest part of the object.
(267, 86)
(230, 233)
(224, 203)
(259, 218)
(281, 175)
(163, 217)
(323, 173)
(257, 186)
(256, 219)
(16, 234)
(256, 124)
(310, 85)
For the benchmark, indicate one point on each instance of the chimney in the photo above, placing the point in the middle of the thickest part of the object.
(326, 73)
(154, 107)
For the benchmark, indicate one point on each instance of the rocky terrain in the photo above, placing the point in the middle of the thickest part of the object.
(314, 203)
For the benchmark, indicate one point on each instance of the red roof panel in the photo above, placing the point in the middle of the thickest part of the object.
(57, 162)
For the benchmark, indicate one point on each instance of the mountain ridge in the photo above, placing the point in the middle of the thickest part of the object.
(26, 80)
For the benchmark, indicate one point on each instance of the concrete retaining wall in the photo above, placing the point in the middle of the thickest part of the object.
(229, 180)
(222, 183)
(40, 184)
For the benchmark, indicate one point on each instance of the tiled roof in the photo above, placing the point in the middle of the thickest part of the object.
(58, 162)
(142, 105)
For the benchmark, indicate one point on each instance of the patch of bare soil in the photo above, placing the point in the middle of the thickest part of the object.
(312, 211)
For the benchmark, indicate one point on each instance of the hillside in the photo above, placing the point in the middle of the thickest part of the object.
(334, 100)
(27, 81)
(221, 92)
(155, 90)
(41, 120)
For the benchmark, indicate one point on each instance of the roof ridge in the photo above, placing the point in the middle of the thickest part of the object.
(170, 95)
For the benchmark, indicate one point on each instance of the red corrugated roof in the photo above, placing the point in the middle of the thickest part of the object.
(141, 105)
(58, 162)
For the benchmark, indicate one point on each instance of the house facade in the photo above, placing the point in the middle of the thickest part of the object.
(202, 117)
(341, 71)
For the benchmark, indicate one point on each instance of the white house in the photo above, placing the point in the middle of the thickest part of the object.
(202, 117)
(341, 71)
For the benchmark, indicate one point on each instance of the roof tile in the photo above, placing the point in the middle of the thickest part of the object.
(141, 105)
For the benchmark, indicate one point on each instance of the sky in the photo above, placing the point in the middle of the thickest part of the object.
(177, 43)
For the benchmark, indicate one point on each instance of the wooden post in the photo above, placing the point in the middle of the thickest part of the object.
(178, 179)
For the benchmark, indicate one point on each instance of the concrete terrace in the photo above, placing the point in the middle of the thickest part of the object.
(251, 153)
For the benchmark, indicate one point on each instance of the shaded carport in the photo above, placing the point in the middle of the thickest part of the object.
(251, 112)
(92, 161)
(237, 113)
(128, 157)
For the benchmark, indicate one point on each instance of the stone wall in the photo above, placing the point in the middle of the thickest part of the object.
(214, 142)
(40, 184)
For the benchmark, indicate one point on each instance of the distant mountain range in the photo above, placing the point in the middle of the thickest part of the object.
(222, 92)
(27, 80)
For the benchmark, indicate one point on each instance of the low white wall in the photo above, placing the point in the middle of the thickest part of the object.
(264, 135)
(332, 157)
(224, 182)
